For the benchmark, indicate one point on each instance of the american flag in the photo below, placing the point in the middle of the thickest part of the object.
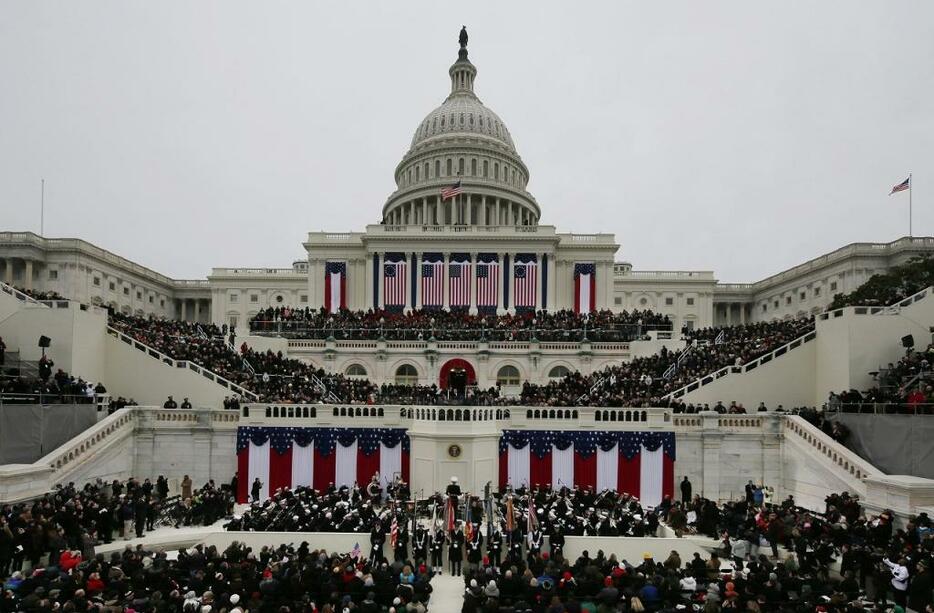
(525, 275)
(394, 283)
(450, 192)
(459, 284)
(531, 520)
(468, 531)
(432, 282)
(906, 184)
(394, 532)
(355, 553)
(449, 514)
(487, 285)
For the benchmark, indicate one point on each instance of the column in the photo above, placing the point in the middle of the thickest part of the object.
(8, 271)
(445, 299)
(486, 214)
(473, 283)
(424, 211)
(469, 212)
(497, 221)
(197, 310)
(28, 275)
(185, 309)
(554, 300)
(507, 275)
(418, 284)
(368, 271)
(742, 313)
(379, 281)
(437, 220)
(500, 275)
(538, 281)
(412, 277)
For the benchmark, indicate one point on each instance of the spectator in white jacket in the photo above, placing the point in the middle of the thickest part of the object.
(899, 580)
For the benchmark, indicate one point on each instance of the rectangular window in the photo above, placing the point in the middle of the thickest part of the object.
(139, 295)
(303, 297)
(833, 286)
(617, 300)
(150, 300)
(776, 304)
(787, 299)
(97, 281)
(765, 307)
(162, 302)
(254, 297)
(690, 302)
(803, 295)
(689, 324)
(53, 276)
(126, 291)
(233, 298)
(113, 286)
(669, 301)
(817, 291)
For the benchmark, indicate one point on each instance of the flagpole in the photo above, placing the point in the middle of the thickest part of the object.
(911, 186)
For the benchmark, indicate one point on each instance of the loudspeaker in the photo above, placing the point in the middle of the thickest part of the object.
(908, 341)
(45, 342)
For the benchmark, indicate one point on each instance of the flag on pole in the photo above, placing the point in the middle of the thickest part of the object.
(468, 531)
(355, 553)
(531, 520)
(906, 184)
(450, 192)
(510, 515)
(449, 515)
(394, 532)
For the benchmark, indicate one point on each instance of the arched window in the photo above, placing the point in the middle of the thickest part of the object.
(473, 167)
(508, 375)
(486, 168)
(559, 372)
(418, 173)
(406, 375)
(355, 370)
(460, 166)
(496, 171)
(450, 167)
(437, 168)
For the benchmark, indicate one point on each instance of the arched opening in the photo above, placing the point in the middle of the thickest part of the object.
(507, 375)
(559, 372)
(406, 375)
(355, 370)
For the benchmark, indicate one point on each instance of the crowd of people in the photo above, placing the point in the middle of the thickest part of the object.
(457, 324)
(643, 381)
(768, 558)
(48, 386)
(40, 295)
(906, 386)
(887, 288)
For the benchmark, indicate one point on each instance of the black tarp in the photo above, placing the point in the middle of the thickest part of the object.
(30, 431)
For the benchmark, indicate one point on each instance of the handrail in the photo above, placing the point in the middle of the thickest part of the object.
(22, 297)
(155, 353)
(751, 365)
(829, 448)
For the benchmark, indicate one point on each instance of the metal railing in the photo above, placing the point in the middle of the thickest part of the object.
(22, 297)
(186, 364)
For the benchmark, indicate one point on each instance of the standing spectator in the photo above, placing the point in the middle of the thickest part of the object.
(900, 581)
(186, 487)
(686, 490)
(170, 404)
(256, 489)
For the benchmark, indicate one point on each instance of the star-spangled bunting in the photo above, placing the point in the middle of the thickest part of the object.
(587, 443)
(281, 438)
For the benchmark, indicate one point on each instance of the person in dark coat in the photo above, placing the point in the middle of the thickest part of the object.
(257, 488)
(921, 589)
(456, 549)
(685, 490)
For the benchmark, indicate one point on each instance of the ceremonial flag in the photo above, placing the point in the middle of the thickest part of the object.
(638, 463)
(531, 521)
(394, 531)
(468, 531)
(318, 457)
(449, 515)
(487, 282)
(510, 514)
(335, 286)
(459, 281)
(450, 192)
(355, 553)
(906, 184)
(585, 288)
(525, 281)
(432, 280)
(394, 281)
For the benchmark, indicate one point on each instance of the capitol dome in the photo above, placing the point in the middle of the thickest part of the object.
(464, 147)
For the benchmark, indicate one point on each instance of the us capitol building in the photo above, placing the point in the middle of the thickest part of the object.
(461, 199)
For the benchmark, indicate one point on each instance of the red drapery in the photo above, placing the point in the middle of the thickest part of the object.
(585, 470)
(280, 470)
(367, 466)
(668, 476)
(539, 470)
(324, 470)
(629, 474)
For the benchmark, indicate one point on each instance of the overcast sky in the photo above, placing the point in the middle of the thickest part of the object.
(739, 137)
